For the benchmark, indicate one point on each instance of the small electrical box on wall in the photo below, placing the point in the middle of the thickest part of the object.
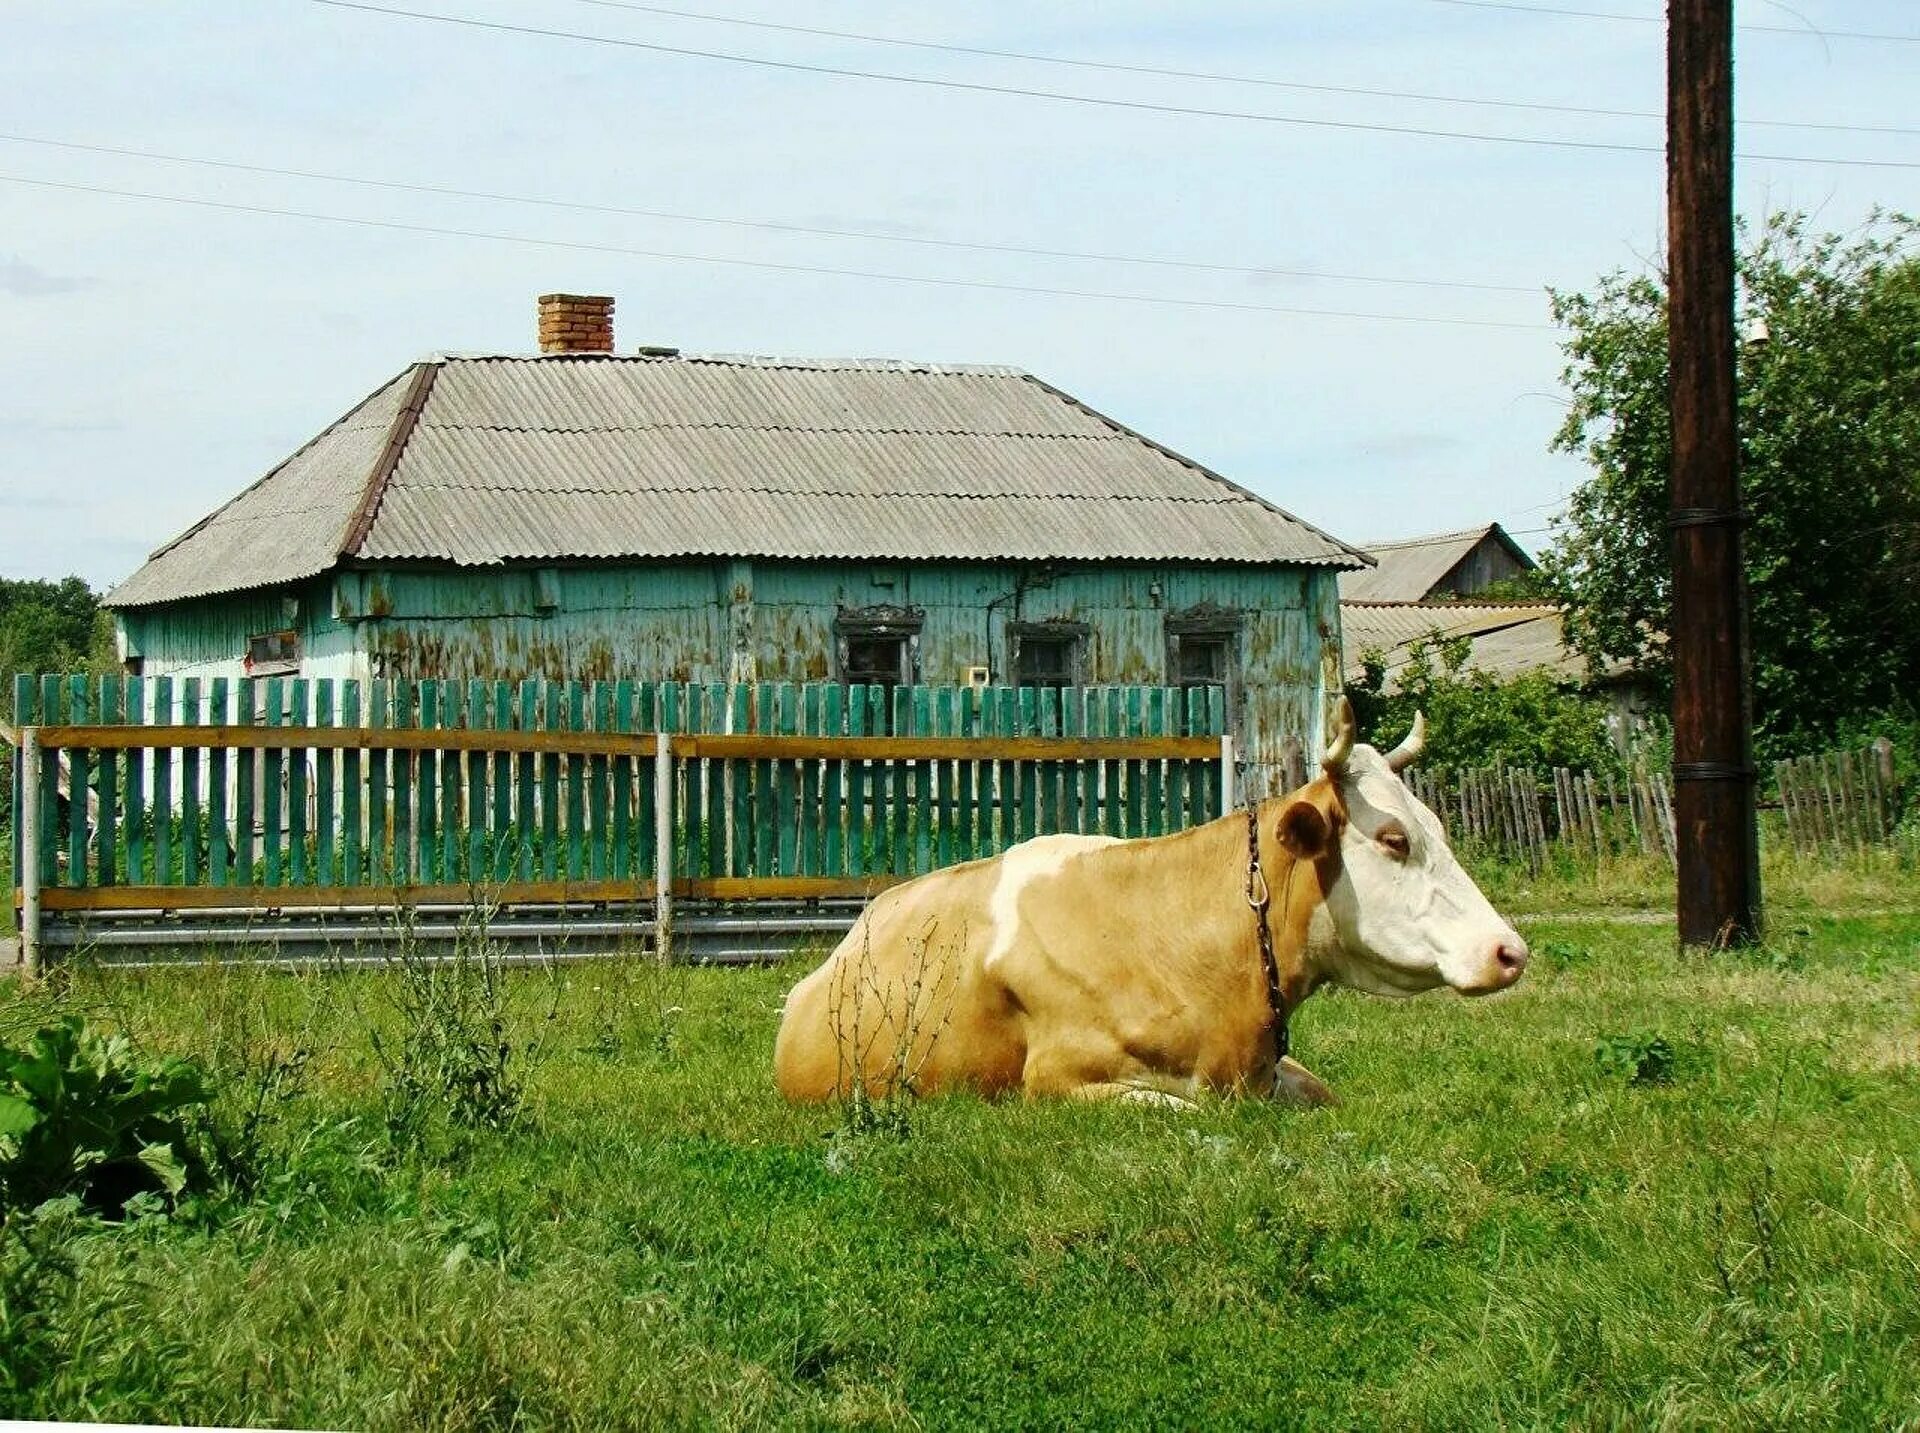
(976, 677)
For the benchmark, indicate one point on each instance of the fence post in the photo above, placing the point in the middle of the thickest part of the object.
(663, 845)
(1226, 774)
(30, 849)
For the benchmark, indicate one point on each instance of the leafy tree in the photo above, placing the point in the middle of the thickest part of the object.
(1476, 720)
(1830, 465)
(50, 627)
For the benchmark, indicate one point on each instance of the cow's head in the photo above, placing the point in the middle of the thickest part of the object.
(1405, 916)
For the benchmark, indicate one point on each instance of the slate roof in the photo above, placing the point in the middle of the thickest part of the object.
(1408, 569)
(483, 460)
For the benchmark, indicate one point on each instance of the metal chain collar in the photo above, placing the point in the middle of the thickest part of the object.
(1260, 898)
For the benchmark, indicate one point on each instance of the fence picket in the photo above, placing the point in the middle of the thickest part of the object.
(506, 837)
(300, 813)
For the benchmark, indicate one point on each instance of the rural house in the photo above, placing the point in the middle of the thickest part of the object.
(655, 515)
(1438, 567)
(1421, 587)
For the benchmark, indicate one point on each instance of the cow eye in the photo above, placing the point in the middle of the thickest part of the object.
(1395, 840)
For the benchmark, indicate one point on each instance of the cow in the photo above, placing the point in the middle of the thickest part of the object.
(1094, 967)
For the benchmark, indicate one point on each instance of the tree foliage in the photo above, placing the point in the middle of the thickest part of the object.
(1475, 720)
(1830, 468)
(50, 627)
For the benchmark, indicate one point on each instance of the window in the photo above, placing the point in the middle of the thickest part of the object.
(1202, 661)
(1203, 650)
(878, 646)
(1047, 654)
(273, 653)
(875, 661)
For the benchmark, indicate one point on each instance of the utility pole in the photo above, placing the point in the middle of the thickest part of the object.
(1713, 771)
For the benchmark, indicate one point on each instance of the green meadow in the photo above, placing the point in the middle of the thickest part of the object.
(1639, 1190)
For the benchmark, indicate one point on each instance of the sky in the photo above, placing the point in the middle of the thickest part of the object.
(159, 356)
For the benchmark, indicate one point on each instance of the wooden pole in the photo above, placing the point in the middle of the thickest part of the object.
(663, 845)
(1718, 861)
(30, 850)
(1226, 775)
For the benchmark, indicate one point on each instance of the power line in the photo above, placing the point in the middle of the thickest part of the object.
(1060, 96)
(1804, 32)
(1212, 75)
(682, 257)
(1253, 270)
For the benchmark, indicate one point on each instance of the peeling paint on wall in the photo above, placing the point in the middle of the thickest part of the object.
(735, 620)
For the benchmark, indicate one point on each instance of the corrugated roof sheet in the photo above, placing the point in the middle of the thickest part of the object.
(1407, 569)
(567, 457)
(1508, 638)
(286, 527)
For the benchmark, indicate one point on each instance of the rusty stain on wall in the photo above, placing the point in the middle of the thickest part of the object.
(714, 621)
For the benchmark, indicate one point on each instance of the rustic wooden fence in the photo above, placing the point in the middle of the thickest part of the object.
(1837, 801)
(1840, 800)
(281, 795)
(1526, 815)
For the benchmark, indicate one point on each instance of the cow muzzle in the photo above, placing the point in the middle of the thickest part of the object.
(1504, 962)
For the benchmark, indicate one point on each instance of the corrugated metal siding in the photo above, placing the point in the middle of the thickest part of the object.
(672, 621)
(208, 637)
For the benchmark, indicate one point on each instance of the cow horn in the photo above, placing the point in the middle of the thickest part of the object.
(1408, 752)
(1341, 746)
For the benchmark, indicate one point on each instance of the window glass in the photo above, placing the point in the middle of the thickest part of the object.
(876, 661)
(1203, 661)
(1045, 662)
(273, 652)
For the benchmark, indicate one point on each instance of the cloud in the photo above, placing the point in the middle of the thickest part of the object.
(24, 280)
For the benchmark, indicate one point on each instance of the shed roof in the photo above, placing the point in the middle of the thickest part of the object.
(1408, 569)
(1509, 638)
(480, 460)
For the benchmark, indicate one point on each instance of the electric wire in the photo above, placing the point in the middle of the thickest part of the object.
(1063, 97)
(1215, 76)
(675, 256)
(1804, 32)
(776, 226)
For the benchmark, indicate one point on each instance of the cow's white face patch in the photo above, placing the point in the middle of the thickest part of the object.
(1406, 917)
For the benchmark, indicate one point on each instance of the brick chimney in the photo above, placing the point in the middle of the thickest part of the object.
(576, 323)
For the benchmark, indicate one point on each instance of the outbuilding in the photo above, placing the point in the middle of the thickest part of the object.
(584, 514)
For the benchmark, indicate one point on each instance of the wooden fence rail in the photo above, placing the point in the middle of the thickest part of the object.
(284, 794)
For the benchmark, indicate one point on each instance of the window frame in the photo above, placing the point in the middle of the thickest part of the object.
(284, 658)
(1073, 635)
(901, 624)
(1213, 625)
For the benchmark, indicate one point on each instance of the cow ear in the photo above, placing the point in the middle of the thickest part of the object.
(1304, 831)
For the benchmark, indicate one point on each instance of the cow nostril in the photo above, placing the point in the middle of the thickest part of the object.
(1511, 956)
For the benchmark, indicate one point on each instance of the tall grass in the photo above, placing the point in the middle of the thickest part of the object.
(1518, 1217)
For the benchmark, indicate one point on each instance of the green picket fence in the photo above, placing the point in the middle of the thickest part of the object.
(288, 791)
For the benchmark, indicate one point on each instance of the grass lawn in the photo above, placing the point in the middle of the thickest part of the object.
(1498, 1227)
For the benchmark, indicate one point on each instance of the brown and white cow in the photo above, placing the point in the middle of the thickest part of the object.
(1089, 966)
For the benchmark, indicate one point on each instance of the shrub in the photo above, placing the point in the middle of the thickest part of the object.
(1641, 1059)
(1476, 720)
(454, 1057)
(82, 1114)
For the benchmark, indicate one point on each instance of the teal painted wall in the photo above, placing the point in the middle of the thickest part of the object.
(722, 620)
(208, 637)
